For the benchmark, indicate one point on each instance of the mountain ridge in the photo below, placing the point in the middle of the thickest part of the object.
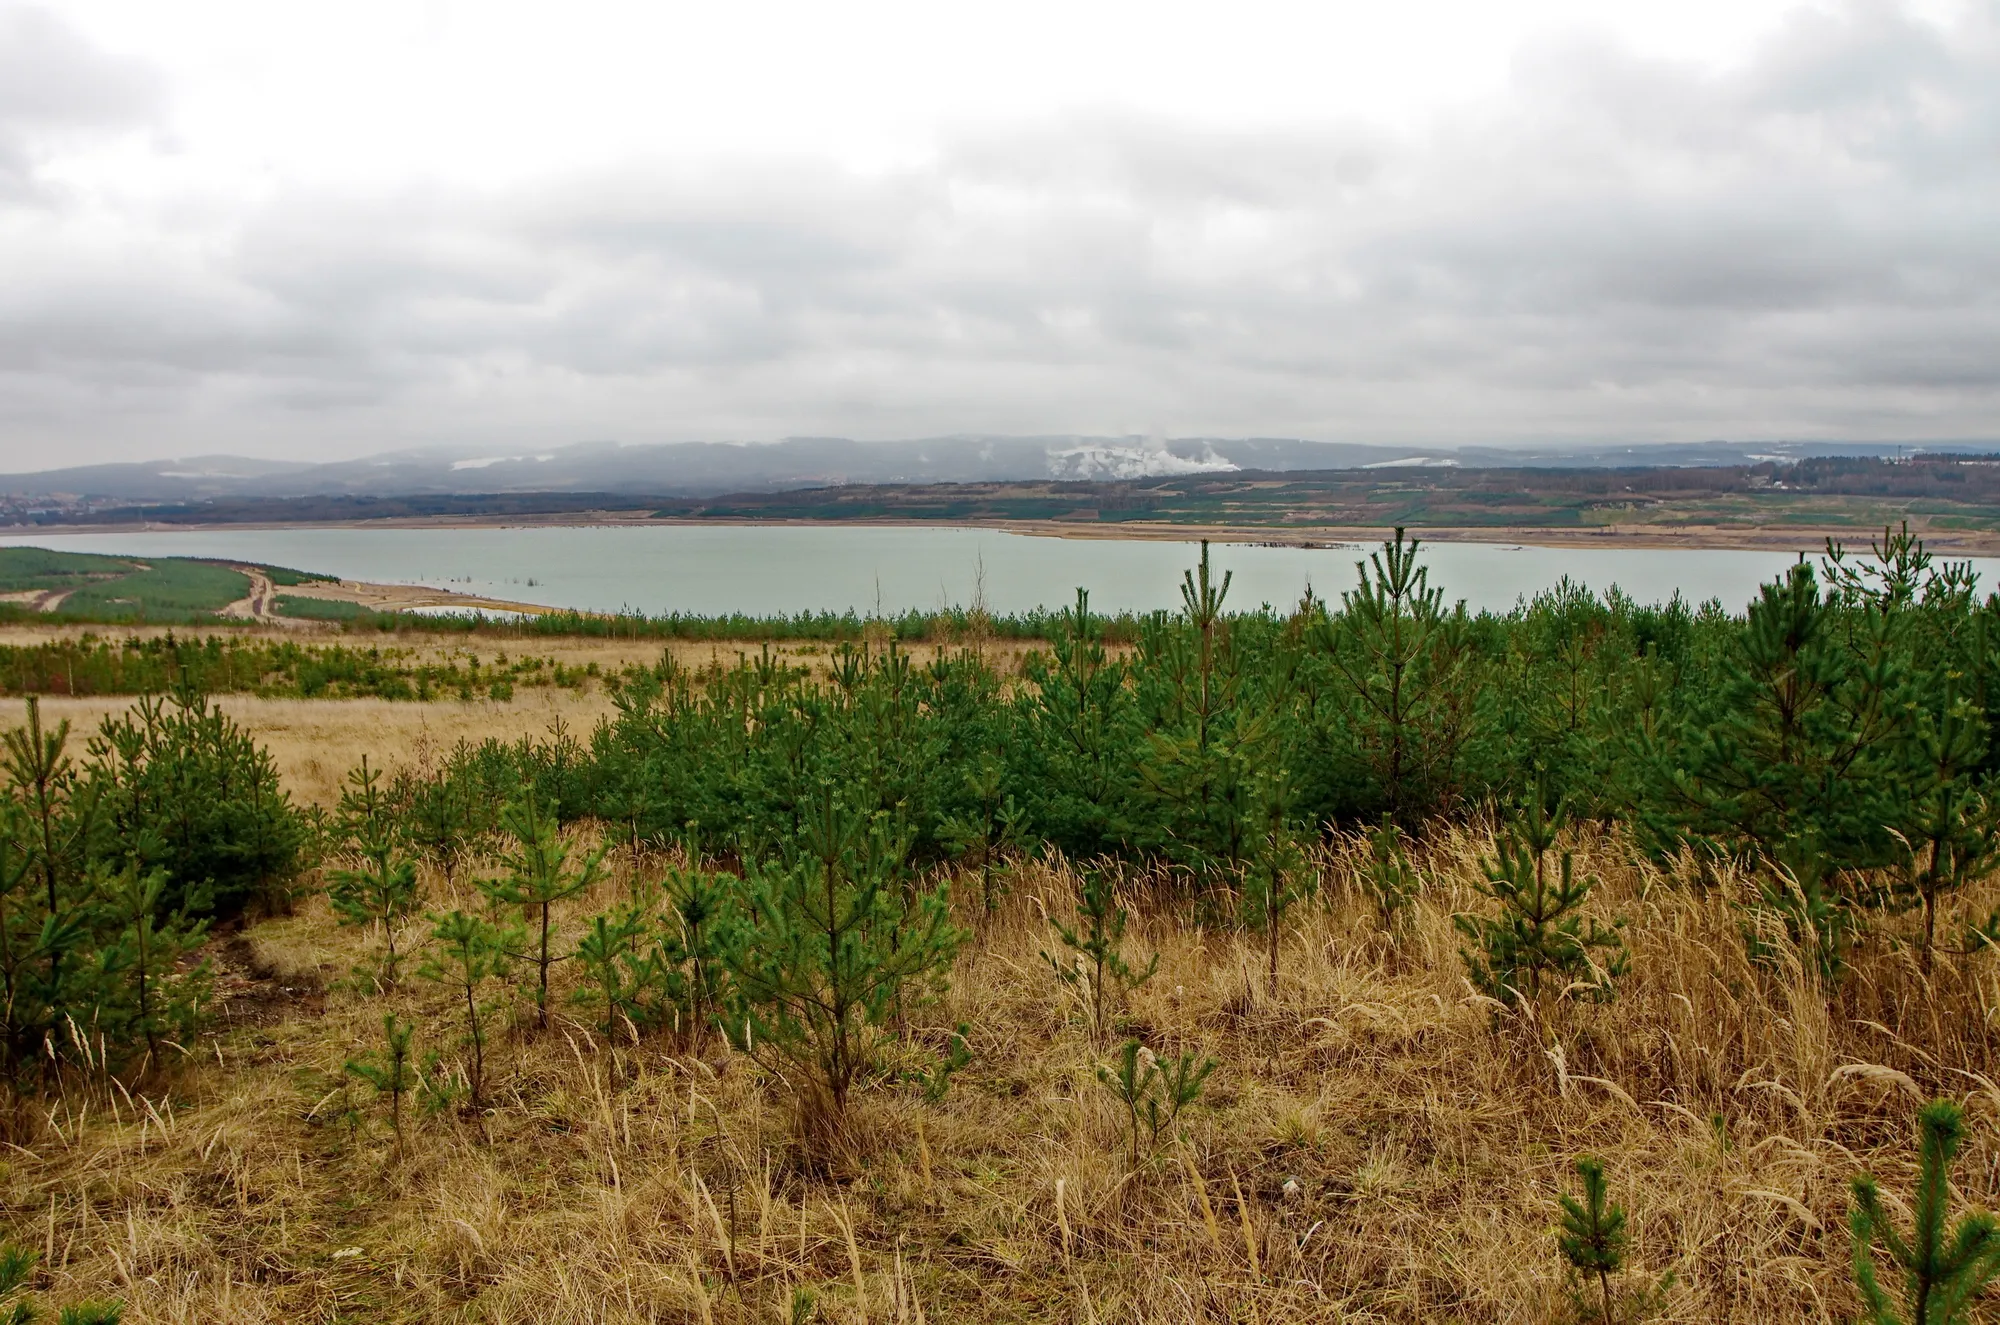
(695, 469)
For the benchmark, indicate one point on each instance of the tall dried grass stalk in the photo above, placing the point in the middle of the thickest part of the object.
(1425, 1133)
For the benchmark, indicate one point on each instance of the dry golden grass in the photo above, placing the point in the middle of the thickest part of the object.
(1428, 1139)
(316, 741)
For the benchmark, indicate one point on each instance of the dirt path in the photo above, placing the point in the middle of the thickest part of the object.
(38, 600)
(247, 995)
(262, 603)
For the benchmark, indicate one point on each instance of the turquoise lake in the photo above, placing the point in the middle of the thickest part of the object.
(764, 570)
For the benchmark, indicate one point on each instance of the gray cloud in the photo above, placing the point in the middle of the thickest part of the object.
(51, 76)
(54, 84)
(1619, 248)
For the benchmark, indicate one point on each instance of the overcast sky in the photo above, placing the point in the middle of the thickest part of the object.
(323, 230)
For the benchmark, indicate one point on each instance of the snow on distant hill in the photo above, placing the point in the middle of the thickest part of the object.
(1150, 461)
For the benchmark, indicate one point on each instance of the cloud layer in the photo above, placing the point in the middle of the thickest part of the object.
(1616, 249)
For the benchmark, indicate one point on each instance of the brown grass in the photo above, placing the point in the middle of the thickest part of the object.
(315, 742)
(1427, 1136)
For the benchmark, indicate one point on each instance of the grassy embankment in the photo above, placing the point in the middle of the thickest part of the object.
(81, 586)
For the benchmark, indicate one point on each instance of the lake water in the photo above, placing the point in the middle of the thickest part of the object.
(764, 570)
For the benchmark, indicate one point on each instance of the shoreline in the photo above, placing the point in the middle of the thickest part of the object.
(1691, 537)
(411, 597)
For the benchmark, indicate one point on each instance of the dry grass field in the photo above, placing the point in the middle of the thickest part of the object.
(315, 742)
(1378, 1143)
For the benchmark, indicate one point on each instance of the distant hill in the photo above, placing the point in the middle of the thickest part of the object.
(1940, 495)
(701, 469)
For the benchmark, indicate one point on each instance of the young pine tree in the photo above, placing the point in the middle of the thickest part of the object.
(161, 999)
(1277, 876)
(1944, 1269)
(50, 821)
(466, 953)
(440, 819)
(186, 790)
(540, 876)
(1592, 1238)
(606, 952)
(1076, 716)
(1403, 659)
(1950, 837)
(986, 829)
(21, 936)
(1540, 934)
(1096, 965)
(17, 1267)
(1796, 740)
(1798, 891)
(1152, 1094)
(382, 887)
(390, 1070)
(830, 943)
(1391, 881)
(689, 951)
(1213, 726)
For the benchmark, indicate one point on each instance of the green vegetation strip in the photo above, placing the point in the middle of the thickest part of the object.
(96, 588)
(277, 669)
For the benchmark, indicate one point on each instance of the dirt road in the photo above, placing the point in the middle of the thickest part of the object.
(262, 603)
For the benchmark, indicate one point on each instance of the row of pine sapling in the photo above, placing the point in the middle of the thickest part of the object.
(804, 961)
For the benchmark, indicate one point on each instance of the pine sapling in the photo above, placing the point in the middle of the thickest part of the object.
(468, 953)
(1393, 884)
(1952, 835)
(389, 1069)
(1540, 933)
(1096, 945)
(16, 1268)
(605, 952)
(1592, 1236)
(1152, 1094)
(441, 822)
(56, 818)
(382, 888)
(690, 950)
(1277, 875)
(1797, 890)
(539, 878)
(1401, 653)
(986, 832)
(1944, 1269)
(825, 948)
(161, 997)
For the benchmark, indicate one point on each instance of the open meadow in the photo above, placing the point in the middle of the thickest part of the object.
(1263, 969)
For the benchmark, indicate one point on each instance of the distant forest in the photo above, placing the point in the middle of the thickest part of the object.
(1935, 492)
